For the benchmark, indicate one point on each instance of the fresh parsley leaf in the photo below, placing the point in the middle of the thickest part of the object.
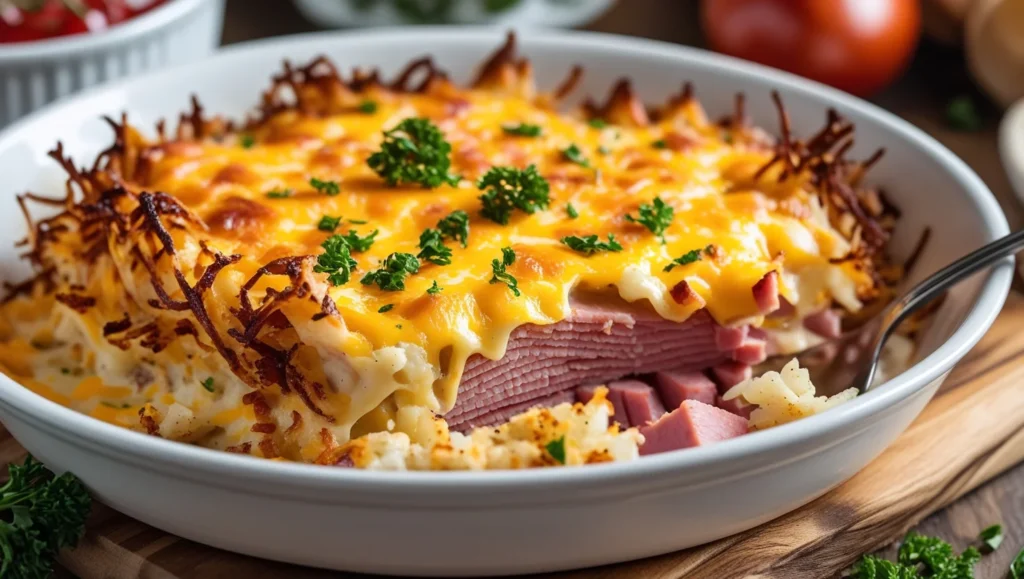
(920, 556)
(571, 211)
(455, 226)
(655, 216)
(357, 243)
(391, 274)
(687, 258)
(660, 144)
(358, 221)
(508, 188)
(598, 123)
(603, 150)
(963, 115)
(208, 383)
(329, 188)
(414, 152)
(501, 275)
(574, 154)
(40, 514)
(385, 308)
(336, 260)
(116, 406)
(556, 448)
(434, 288)
(328, 223)
(522, 130)
(1017, 567)
(874, 567)
(279, 193)
(368, 107)
(992, 537)
(589, 244)
(247, 141)
(432, 248)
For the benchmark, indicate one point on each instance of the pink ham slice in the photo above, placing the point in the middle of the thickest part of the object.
(677, 387)
(731, 373)
(692, 424)
(825, 323)
(736, 406)
(766, 293)
(585, 393)
(596, 344)
(641, 402)
(752, 351)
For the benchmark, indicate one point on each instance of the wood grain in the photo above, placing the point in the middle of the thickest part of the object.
(972, 431)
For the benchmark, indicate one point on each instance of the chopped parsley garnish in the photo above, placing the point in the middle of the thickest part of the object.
(40, 514)
(455, 226)
(598, 123)
(208, 384)
(329, 188)
(962, 114)
(1017, 567)
(603, 150)
(556, 448)
(655, 216)
(571, 211)
(414, 152)
(358, 221)
(508, 188)
(432, 248)
(919, 556)
(385, 308)
(336, 260)
(589, 244)
(991, 537)
(660, 144)
(574, 154)
(247, 141)
(368, 107)
(687, 258)
(328, 223)
(279, 193)
(391, 275)
(121, 406)
(508, 257)
(359, 243)
(522, 130)
(434, 288)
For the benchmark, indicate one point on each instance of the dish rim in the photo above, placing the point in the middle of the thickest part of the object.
(181, 460)
(93, 42)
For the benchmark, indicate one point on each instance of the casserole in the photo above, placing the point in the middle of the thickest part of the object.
(559, 518)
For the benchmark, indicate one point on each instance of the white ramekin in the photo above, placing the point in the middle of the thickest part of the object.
(524, 14)
(36, 73)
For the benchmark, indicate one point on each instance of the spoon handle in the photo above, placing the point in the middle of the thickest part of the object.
(931, 288)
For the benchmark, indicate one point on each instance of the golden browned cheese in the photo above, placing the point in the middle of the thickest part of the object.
(196, 251)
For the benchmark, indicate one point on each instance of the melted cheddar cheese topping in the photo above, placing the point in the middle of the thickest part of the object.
(248, 193)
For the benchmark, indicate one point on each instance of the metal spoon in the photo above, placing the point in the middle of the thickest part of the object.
(861, 360)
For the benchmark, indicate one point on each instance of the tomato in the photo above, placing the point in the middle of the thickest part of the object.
(51, 18)
(859, 46)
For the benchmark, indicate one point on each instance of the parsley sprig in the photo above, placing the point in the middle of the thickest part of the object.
(687, 258)
(328, 223)
(522, 130)
(432, 248)
(336, 260)
(329, 188)
(571, 211)
(556, 449)
(279, 193)
(359, 243)
(920, 556)
(501, 275)
(455, 226)
(392, 272)
(415, 151)
(574, 154)
(434, 288)
(40, 514)
(590, 244)
(368, 107)
(655, 216)
(508, 188)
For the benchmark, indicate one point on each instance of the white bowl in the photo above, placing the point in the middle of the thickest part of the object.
(36, 73)
(522, 14)
(448, 524)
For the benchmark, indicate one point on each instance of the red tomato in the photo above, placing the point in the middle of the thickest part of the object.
(61, 18)
(859, 46)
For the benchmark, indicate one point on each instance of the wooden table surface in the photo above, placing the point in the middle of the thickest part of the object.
(936, 75)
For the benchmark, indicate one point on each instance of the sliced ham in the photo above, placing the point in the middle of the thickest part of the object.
(676, 387)
(752, 351)
(731, 373)
(585, 393)
(825, 323)
(766, 293)
(736, 406)
(692, 424)
(641, 401)
(730, 338)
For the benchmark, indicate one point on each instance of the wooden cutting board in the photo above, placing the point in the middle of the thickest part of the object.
(972, 431)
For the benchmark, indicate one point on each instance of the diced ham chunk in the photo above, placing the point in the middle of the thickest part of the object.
(735, 405)
(692, 424)
(585, 393)
(730, 338)
(766, 293)
(825, 323)
(676, 387)
(729, 374)
(751, 351)
(641, 401)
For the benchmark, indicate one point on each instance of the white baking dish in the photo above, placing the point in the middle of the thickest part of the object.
(36, 73)
(447, 524)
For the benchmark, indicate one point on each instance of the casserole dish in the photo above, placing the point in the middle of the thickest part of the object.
(446, 524)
